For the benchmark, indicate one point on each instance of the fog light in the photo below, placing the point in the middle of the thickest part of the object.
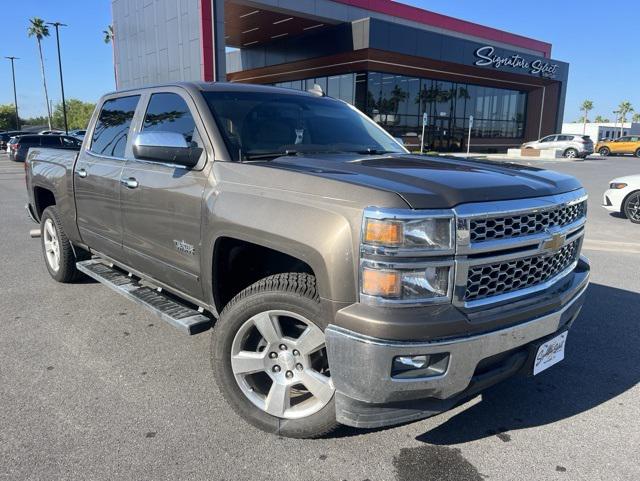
(419, 366)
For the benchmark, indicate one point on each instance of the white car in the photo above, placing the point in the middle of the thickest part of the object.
(623, 196)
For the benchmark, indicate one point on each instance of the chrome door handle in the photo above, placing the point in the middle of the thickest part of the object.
(130, 183)
(81, 173)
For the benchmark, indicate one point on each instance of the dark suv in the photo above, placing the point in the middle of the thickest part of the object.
(5, 136)
(19, 149)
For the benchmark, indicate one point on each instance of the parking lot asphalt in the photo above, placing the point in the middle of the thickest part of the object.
(94, 387)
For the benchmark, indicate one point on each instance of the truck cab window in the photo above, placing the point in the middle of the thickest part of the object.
(168, 112)
(112, 127)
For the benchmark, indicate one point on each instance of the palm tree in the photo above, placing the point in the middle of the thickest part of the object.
(108, 34)
(624, 108)
(39, 30)
(636, 118)
(601, 120)
(586, 107)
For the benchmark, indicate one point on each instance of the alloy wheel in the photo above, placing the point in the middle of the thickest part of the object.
(51, 244)
(279, 361)
(632, 208)
(570, 154)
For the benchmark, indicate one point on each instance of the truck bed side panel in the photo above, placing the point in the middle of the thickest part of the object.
(52, 169)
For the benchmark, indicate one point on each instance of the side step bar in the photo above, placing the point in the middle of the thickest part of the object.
(168, 308)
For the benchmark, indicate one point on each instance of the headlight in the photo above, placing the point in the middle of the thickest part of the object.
(430, 233)
(382, 284)
(617, 185)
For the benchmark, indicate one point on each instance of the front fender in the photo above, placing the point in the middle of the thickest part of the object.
(305, 227)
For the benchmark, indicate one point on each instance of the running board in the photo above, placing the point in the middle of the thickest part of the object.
(168, 308)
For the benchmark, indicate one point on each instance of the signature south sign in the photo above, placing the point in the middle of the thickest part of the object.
(487, 57)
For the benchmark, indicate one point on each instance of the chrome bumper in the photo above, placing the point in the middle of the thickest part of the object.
(361, 365)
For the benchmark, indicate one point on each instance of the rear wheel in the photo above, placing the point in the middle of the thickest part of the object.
(58, 253)
(632, 207)
(604, 151)
(571, 153)
(270, 360)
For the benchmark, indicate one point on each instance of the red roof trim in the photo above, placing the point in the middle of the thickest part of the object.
(433, 19)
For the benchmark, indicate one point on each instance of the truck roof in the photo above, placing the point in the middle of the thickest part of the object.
(214, 87)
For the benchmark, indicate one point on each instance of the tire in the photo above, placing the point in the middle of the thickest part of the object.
(59, 256)
(274, 301)
(570, 154)
(631, 207)
(604, 151)
(637, 153)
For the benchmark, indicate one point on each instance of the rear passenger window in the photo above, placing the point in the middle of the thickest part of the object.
(112, 128)
(50, 141)
(168, 112)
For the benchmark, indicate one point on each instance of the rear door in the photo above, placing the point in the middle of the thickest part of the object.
(97, 176)
(162, 212)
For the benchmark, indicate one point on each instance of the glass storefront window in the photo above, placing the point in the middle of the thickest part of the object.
(397, 102)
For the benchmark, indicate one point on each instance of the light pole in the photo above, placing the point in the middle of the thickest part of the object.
(15, 95)
(57, 25)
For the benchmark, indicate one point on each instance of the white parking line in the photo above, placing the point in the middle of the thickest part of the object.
(611, 246)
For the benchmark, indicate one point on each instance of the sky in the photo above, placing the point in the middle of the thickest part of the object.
(599, 43)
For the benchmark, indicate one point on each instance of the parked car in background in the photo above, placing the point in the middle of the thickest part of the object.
(51, 132)
(78, 134)
(629, 144)
(6, 136)
(623, 197)
(12, 141)
(573, 146)
(20, 149)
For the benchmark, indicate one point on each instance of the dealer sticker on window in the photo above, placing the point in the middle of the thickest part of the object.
(550, 353)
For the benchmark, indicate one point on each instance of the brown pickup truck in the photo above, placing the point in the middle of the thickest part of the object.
(347, 280)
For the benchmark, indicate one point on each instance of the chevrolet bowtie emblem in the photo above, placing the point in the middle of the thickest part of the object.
(554, 243)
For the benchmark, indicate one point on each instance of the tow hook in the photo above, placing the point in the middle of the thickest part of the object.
(35, 233)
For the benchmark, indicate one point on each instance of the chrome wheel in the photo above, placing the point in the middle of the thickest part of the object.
(51, 244)
(279, 361)
(632, 208)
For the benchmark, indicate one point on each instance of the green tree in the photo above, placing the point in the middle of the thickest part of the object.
(624, 109)
(586, 107)
(7, 117)
(601, 120)
(636, 117)
(78, 114)
(39, 30)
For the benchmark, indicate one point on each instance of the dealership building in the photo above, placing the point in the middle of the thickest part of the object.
(393, 61)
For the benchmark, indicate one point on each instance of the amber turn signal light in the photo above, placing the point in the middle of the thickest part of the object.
(383, 232)
(381, 283)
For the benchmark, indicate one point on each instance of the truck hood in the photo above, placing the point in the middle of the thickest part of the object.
(432, 182)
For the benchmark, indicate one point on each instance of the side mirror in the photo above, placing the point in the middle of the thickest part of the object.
(168, 147)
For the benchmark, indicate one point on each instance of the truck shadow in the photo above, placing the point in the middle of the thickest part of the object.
(602, 361)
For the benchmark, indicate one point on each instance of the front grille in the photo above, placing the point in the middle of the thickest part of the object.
(489, 280)
(508, 227)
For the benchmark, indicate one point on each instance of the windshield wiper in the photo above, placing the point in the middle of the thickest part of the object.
(269, 155)
(371, 151)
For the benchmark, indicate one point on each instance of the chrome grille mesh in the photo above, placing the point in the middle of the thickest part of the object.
(503, 277)
(494, 228)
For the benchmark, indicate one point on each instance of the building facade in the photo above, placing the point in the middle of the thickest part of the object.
(602, 131)
(393, 61)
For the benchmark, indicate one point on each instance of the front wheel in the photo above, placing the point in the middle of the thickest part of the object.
(604, 151)
(638, 153)
(270, 359)
(632, 207)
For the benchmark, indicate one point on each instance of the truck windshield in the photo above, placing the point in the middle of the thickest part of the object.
(263, 125)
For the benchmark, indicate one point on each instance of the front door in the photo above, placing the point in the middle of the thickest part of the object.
(162, 203)
(97, 177)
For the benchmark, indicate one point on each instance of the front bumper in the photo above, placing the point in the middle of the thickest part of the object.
(368, 396)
